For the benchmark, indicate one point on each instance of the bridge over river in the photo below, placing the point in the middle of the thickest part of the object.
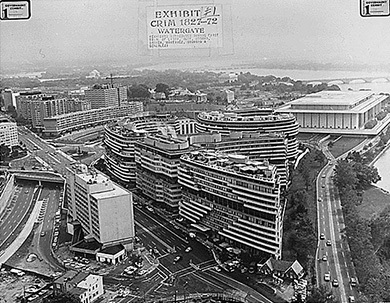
(360, 80)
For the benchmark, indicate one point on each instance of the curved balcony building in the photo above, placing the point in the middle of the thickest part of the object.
(252, 121)
(120, 138)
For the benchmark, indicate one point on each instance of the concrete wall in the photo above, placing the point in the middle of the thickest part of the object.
(7, 193)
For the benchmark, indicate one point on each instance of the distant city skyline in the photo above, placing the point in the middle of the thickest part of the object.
(66, 32)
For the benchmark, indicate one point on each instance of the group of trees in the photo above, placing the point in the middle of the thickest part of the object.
(351, 178)
(317, 295)
(300, 236)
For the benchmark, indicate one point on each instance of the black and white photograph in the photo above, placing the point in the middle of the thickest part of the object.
(194, 151)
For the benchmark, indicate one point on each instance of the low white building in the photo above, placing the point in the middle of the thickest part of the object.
(335, 110)
(87, 287)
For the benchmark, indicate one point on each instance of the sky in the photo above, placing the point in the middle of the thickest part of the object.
(323, 31)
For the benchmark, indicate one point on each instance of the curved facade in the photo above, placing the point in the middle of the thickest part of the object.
(252, 121)
(120, 138)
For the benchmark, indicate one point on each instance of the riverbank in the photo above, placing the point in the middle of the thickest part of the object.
(380, 154)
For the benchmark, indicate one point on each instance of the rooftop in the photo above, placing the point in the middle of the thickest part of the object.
(72, 277)
(332, 98)
(115, 192)
(233, 163)
(91, 245)
(234, 117)
(112, 250)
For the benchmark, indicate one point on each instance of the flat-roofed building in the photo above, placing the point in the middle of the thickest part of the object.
(8, 98)
(235, 199)
(87, 287)
(104, 210)
(271, 147)
(106, 96)
(336, 111)
(120, 138)
(8, 132)
(252, 120)
(57, 125)
(158, 160)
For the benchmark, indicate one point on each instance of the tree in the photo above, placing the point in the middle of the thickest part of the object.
(345, 176)
(12, 111)
(366, 175)
(62, 298)
(321, 295)
(162, 88)
(138, 91)
(4, 152)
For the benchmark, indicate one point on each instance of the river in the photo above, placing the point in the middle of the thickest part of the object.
(383, 166)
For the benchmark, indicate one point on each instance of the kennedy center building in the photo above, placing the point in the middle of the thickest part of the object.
(335, 110)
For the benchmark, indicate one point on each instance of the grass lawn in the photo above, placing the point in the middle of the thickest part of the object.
(375, 200)
(344, 144)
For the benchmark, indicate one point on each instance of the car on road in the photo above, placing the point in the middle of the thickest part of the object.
(188, 249)
(328, 243)
(217, 268)
(322, 236)
(323, 176)
(43, 234)
(335, 283)
(149, 209)
(327, 277)
(324, 258)
(353, 281)
(319, 200)
(323, 185)
(177, 259)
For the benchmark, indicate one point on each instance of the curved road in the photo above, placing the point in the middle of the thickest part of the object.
(338, 261)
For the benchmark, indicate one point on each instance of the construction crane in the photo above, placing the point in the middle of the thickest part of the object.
(111, 78)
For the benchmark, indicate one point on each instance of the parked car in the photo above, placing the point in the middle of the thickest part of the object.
(335, 283)
(177, 259)
(328, 243)
(188, 249)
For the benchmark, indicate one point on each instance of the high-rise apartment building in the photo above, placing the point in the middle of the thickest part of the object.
(23, 103)
(253, 120)
(256, 145)
(157, 160)
(120, 138)
(234, 198)
(35, 107)
(8, 132)
(106, 96)
(104, 210)
(7, 98)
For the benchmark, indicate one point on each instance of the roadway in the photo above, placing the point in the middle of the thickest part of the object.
(338, 261)
(15, 213)
(52, 157)
(167, 241)
(44, 242)
(164, 240)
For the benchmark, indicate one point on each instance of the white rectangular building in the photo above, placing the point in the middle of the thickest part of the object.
(8, 132)
(104, 210)
(335, 110)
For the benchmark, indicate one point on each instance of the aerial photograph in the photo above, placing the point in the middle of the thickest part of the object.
(194, 151)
